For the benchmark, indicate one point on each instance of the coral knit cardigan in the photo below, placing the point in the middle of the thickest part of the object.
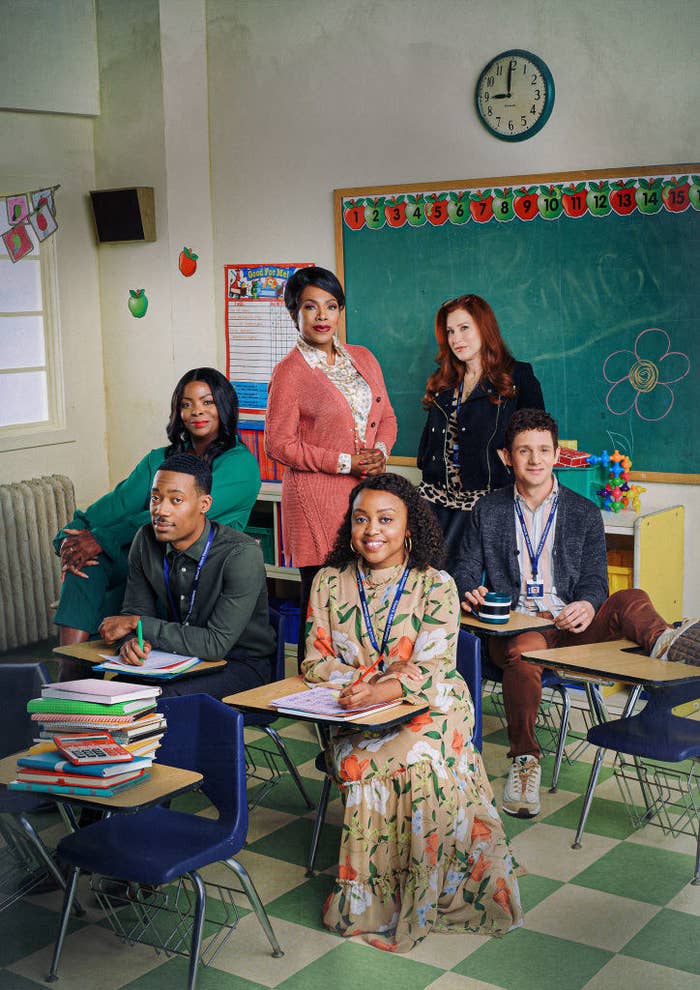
(307, 424)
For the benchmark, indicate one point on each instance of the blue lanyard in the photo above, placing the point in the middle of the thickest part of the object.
(535, 557)
(390, 616)
(193, 593)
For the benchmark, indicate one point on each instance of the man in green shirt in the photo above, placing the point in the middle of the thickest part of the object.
(207, 578)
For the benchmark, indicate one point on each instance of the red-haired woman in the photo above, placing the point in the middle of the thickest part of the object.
(477, 387)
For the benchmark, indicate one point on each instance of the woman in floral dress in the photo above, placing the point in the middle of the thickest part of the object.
(422, 845)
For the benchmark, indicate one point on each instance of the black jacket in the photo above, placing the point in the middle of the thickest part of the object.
(482, 426)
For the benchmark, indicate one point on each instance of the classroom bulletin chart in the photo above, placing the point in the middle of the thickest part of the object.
(259, 330)
(594, 279)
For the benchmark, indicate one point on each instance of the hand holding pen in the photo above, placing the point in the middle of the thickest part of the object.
(355, 695)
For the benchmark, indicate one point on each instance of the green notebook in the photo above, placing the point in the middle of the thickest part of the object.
(89, 707)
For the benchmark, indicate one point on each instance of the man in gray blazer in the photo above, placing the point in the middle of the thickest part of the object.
(544, 545)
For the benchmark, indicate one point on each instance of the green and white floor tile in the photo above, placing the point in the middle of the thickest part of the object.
(619, 912)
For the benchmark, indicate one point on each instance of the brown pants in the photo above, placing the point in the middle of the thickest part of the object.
(625, 615)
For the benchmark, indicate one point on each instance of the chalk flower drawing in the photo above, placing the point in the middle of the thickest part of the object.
(643, 377)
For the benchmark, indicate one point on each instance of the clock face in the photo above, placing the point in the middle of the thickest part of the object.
(515, 95)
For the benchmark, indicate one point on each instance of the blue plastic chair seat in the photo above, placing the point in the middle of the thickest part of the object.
(154, 846)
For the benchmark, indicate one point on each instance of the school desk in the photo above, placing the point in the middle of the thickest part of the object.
(518, 622)
(617, 660)
(163, 783)
(258, 700)
(92, 652)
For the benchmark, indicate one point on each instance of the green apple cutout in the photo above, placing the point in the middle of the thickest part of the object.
(415, 211)
(549, 202)
(648, 195)
(458, 207)
(503, 204)
(375, 217)
(598, 198)
(138, 302)
(694, 192)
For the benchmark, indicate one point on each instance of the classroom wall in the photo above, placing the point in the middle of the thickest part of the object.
(311, 95)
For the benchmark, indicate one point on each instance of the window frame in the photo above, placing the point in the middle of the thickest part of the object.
(53, 429)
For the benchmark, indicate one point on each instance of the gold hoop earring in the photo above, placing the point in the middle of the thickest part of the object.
(408, 544)
(352, 549)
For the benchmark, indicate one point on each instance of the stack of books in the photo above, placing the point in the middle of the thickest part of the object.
(95, 738)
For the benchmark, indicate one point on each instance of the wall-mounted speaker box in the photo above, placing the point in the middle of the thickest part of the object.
(124, 214)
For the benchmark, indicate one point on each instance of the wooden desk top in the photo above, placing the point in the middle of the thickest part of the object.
(94, 648)
(518, 622)
(614, 661)
(164, 782)
(258, 700)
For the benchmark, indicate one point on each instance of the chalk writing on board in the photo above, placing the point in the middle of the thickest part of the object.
(641, 379)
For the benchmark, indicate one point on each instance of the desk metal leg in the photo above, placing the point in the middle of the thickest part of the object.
(563, 730)
(595, 700)
(197, 926)
(71, 887)
(696, 879)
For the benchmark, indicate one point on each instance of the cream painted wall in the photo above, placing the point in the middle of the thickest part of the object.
(153, 131)
(311, 95)
(41, 150)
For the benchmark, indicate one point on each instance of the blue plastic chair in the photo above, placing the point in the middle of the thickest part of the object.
(32, 861)
(655, 734)
(159, 845)
(265, 722)
(469, 666)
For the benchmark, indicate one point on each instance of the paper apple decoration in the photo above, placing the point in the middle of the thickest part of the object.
(525, 204)
(415, 210)
(503, 205)
(354, 214)
(675, 194)
(481, 205)
(138, 303)
(598, 199)
(395, 211)
(436, 210)
(549, 204)
(623, 197)
(375, 217)
(458, 207)
(187, 262)
(573, 199)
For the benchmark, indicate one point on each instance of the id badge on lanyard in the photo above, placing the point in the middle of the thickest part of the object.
(533, 587)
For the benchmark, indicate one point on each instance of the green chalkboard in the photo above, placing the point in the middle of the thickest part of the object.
(573, 295)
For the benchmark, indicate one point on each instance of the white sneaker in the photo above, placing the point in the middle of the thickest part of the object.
(521, 796)
(681, 642)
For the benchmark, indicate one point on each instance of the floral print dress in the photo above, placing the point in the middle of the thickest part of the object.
(422, 845)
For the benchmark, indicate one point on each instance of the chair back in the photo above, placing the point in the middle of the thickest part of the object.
(469, 666)
(206, 736)
(277, 621)
(19, 683)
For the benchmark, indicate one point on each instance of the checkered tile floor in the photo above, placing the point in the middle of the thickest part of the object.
(620, 912)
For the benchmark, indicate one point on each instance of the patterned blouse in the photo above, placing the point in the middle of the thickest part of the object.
(351, 384)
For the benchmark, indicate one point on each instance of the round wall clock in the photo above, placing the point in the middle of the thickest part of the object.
(515, 95)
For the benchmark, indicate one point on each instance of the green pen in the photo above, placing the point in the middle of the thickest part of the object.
(139, 633)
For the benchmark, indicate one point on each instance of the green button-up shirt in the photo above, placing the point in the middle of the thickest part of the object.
(230, 614)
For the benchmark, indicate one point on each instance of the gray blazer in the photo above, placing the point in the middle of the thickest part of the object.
(579, 559)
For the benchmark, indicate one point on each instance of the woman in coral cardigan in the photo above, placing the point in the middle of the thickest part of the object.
(329, 421)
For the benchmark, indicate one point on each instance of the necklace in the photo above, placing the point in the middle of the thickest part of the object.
(388, 574)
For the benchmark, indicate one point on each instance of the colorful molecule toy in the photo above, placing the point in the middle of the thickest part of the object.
(617, 494)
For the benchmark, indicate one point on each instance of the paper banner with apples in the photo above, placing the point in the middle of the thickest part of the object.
(27, 218)
(503, 204)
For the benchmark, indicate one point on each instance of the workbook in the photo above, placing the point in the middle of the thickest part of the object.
(101, 784)
(324, 701)
(157, 664)
(102, 692)
(102, 792)
(66, 707)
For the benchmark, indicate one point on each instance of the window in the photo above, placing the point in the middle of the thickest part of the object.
(30, 364)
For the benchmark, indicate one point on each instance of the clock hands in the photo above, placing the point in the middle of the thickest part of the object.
(505, 96)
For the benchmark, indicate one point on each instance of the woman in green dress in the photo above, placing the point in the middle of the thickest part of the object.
(94, 546)
(422, 845)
